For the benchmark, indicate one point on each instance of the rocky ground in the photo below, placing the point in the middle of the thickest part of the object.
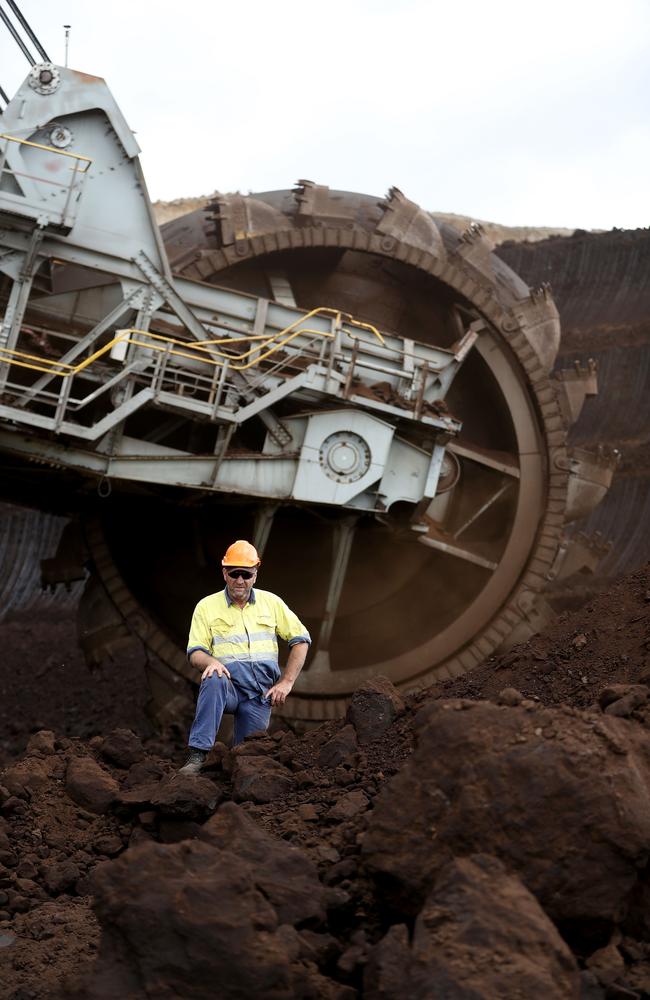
(487, 838)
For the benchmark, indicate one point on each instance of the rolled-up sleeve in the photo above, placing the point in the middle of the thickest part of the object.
(200, 637)
(289, 627)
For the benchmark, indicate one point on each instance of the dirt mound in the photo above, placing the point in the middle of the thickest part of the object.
(284, 865)
(607, 641)
(503, 815)
(514, 832)
(46, 684)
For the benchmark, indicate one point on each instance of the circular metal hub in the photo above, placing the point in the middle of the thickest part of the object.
(61, 137)
(449, 473)
(344, 457)
(44, 78)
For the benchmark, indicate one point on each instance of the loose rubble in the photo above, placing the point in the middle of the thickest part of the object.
(485, 838)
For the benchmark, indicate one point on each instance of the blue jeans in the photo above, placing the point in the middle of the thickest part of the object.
(218, 695)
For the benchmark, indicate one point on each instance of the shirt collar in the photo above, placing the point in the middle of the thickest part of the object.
(229, 600)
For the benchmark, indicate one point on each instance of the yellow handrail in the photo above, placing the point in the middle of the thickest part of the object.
(276, 344)
(203, 345)
(49, 149)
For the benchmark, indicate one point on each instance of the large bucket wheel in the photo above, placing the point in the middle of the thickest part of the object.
(378, 596)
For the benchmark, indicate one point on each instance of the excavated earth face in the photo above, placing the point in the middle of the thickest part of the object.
(485, 841)
(601, 284)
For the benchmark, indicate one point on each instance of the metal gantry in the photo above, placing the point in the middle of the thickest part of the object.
(124, 336)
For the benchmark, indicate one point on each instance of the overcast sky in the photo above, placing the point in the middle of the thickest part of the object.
(515, 112)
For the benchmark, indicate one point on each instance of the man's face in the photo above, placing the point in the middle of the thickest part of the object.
(239, 581)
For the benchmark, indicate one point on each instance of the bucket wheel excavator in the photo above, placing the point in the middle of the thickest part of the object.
(360, 389)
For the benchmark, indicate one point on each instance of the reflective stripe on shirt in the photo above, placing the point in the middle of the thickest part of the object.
(244, 639)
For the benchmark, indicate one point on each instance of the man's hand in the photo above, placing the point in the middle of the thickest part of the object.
(279, 693)
(215, 668)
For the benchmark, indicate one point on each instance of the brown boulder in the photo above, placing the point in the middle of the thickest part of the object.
(13, 806)
(607, 965)
(373, 708)
(183, 796)
(186, 920)
(342, 748)
(16, 902)
(122, 748)
(254, 746)
(349, 805)
(286, 876)
(561, 796)
(27, 776)
(144, 771)
(623, 699)
(59, 876)
(109, 845)
(42, 742)
(480, 934)
(27, 887)
(260, 779)
(186, 797)
(510, 696)
(137, 798)
(89, 785)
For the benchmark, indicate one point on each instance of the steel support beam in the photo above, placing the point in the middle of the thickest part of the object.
(343, 538)
(86, 342)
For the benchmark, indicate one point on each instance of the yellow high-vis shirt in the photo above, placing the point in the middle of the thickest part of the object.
(245, 639)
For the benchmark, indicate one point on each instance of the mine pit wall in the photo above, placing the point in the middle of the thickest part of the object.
(601, 285)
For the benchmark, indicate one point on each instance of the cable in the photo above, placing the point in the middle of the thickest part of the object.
(14, 6)
(18, 39)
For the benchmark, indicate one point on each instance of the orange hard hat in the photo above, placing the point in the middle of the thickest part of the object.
(241, 553)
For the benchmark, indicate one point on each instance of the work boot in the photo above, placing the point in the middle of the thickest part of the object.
(195, 761)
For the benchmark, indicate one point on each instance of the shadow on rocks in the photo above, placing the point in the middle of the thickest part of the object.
(210, 918)
(480, 934)
(561, 796)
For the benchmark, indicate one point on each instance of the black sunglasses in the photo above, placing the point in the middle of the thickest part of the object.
(245, 574)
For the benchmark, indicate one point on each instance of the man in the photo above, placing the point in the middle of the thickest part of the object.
(233, 643)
